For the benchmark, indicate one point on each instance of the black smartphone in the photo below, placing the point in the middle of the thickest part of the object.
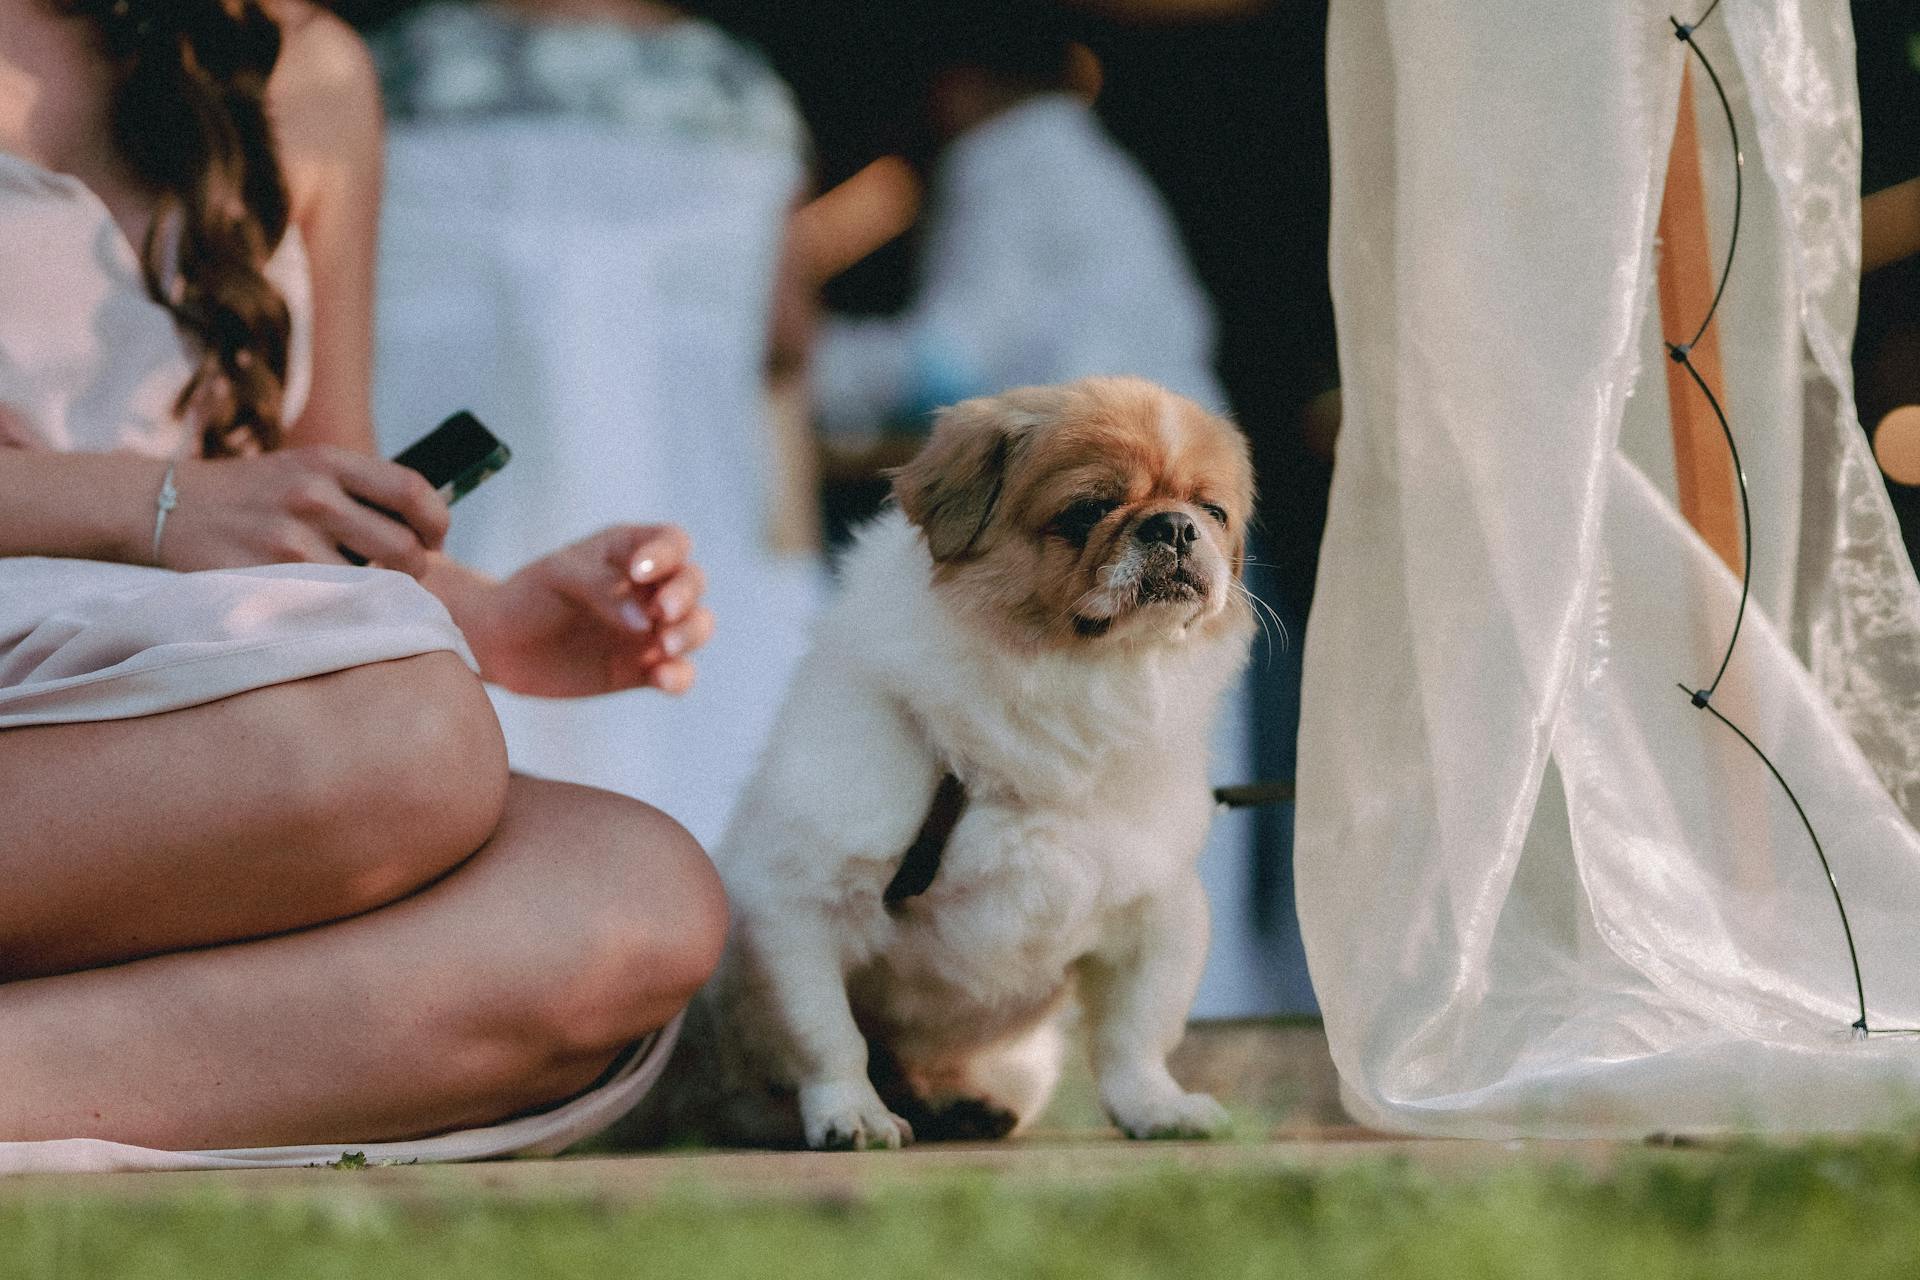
(454, 457)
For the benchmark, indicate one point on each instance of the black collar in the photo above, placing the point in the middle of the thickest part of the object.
(922, 860)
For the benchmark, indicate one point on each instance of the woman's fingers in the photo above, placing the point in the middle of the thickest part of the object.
(336, 519)
(636, 580)
(675, 677)
(399, 493)
(385, 513)
(374, 537)
(689, 634)
(664, 662)
(654, 567)
(675, 598)
(645, 554)
(587, 574)
(650, 577)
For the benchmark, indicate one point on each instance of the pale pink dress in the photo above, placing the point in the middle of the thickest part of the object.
(89, 362)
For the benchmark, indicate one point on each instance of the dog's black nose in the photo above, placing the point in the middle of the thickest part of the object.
(1175, 528)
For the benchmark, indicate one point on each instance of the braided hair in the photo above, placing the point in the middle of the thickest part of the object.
(188, 115)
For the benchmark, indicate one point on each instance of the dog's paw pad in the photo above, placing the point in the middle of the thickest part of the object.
(968, 1120)
(1182, 1115)
(838, 1119)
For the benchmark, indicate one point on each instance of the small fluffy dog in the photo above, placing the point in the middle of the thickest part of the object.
(1034, 643)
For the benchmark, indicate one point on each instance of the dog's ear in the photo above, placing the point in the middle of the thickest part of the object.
(953, 484)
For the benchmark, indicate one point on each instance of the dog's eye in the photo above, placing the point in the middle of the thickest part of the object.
(1078, 520)
(1215, 510)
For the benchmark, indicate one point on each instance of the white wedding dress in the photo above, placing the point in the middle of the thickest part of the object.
(1541, 892)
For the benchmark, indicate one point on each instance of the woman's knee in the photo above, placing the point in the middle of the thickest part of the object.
(395, 773)
(651, 936)
(636, 923)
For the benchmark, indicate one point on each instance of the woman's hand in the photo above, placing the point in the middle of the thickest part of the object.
(617, 610)
(302, 505)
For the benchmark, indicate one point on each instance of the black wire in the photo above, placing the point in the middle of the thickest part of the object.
(1683, 359)
(1859, 987)
(1682, 354)
(1685, 34)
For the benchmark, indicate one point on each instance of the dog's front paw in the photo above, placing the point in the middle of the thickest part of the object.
(1169, 1113)
(849, 1116)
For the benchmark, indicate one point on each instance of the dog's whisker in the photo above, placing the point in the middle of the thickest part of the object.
(1263, 611)
(1280, 623)
(1286, 635)
(1266, 628)
(1266, 633)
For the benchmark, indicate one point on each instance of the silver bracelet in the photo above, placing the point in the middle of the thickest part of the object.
(169, 499)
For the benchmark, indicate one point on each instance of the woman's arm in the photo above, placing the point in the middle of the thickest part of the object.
(92, 506)
(295, 505)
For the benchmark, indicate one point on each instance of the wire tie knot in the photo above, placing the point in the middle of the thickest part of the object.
(1678, 352)
(1700, 697)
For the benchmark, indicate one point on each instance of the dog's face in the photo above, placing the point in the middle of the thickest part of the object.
(1083, 514)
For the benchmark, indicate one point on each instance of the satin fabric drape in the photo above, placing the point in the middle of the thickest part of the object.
(1541, 893)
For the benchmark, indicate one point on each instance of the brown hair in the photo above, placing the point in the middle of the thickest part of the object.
(189, 116)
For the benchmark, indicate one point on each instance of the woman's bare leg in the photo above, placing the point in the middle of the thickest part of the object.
(583, 922)
(271, 810)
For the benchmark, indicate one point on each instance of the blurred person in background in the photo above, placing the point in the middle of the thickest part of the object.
(1046, 253)
(587, 206)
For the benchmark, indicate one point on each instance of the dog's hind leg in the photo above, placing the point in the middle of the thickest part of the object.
(990, 1094)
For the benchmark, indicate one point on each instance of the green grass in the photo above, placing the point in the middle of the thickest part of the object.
(1757, 1211)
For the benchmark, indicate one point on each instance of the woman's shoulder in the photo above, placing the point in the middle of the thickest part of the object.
(319, 54)
(324, 97)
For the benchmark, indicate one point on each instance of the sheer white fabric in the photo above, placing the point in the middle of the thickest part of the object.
(1540, 892)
